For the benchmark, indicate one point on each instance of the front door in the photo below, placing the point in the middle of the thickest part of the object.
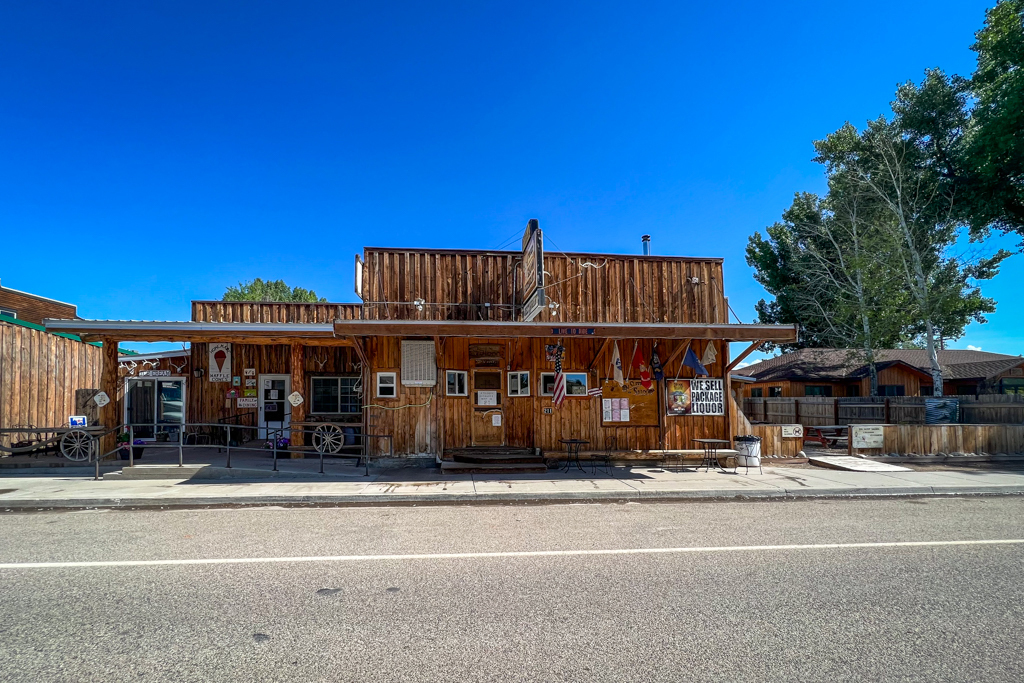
(275, 410)
(488, 421)
(154, 406)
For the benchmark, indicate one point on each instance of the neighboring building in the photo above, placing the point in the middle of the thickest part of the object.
(32, 307)
(901, 372)
(450, 349)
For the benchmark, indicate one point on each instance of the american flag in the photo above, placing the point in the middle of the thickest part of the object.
(559, 395)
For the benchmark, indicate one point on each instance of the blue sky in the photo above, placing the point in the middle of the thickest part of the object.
(155, 153)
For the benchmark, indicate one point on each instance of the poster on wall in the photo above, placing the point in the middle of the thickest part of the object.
(220, 362)
(695, 397)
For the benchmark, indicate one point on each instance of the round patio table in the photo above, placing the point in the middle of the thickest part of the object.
(711, 447)
(572, 447)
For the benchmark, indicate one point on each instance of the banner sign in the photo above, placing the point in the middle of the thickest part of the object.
(533, 271)
(695, 396)
(220, 362)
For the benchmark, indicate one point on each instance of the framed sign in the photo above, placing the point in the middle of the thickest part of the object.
(155, 373)
(628, 404)
(694, 397)
(792, 431)
(247, 402)
(220, 362)
(533, 271)
(867, 436)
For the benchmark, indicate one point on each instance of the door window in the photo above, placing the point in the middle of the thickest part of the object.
(154, 406)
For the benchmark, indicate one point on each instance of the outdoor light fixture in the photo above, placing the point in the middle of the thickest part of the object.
(418, 303)
(198, 372)
(694, 280)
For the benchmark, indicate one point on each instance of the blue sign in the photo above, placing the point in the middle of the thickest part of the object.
(571, 331)
(78, 421)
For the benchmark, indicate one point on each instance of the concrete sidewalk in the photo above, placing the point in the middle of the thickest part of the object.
(347, 486)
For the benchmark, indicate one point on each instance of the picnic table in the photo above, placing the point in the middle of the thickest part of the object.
(829, 436)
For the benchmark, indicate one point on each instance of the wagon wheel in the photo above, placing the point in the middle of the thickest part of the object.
(76, 445)
(328, 439)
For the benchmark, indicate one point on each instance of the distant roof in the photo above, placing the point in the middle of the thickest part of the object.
(839, 364)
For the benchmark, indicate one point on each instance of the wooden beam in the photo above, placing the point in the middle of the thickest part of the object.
(110, 416)
(360, 351)
(491, 329)
(675, 354)
(746, 352)
(298, 384)
(604, 347)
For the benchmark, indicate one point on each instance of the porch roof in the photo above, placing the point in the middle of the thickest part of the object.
(342, 332)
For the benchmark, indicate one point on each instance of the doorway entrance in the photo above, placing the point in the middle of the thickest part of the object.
(488, 421)
(275, 411)
(155, 406)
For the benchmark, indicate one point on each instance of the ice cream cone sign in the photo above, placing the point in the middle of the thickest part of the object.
(220, 362)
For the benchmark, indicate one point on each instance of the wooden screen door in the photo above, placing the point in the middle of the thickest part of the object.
(488, 422)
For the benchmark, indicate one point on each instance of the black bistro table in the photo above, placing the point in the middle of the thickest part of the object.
(572, 447)
(711, 447)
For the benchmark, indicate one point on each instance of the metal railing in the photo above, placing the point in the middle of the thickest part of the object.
(83, 443)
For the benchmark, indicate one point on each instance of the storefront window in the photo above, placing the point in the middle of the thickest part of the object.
(336, 395)
(818, 391)
(891, 390)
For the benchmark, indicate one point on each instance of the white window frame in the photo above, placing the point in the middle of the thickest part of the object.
(9, 312)
(465, 382)
(540, 388)
(513, 384)
(393, 385)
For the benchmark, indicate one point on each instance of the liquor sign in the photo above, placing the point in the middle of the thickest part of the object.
(695, 397)
(533, 271)
(220, 362)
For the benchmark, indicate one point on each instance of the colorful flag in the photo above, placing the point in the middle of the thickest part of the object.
(656, 369)
(641, 367)
(559, 394)
(690, 361)
(709, 354)
(616, 364)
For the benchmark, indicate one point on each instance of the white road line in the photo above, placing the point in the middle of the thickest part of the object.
(522, 553)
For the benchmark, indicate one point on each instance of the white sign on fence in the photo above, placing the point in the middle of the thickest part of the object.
(101, 399)
(792, 431)
(867, 436)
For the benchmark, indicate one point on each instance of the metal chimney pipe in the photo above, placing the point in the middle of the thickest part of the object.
(646, 239)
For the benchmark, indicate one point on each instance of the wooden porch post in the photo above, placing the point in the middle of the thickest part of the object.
(110, 415)
(299, 385)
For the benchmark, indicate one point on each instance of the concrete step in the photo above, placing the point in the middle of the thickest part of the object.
(449, 467)
(495, 456)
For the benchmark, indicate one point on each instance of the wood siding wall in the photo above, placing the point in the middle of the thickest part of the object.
(587, 287)
(815, 411)
(39, 375)
(262, 312)
(33, 309)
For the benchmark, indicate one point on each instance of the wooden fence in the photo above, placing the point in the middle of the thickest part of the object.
(773, 445)
(40, 374)
(813, 411)
(948, 439)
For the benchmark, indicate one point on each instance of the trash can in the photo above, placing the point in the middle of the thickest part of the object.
(748, 451)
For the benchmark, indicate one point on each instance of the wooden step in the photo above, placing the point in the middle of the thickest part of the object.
(448, 467)
(494, 456)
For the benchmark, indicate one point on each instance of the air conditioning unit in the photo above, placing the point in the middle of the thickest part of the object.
(419, 364)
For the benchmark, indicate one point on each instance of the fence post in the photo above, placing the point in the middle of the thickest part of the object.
(796, 410)
(274, 441)
(181, 440)
(835, 411)
(229, 442)
(131, 445)
(887, 412)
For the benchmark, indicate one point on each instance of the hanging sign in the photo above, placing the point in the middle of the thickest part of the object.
(247, 402)
(101, 399)
(695, 397)
(295, 398)
(533, 271)
(220, 362)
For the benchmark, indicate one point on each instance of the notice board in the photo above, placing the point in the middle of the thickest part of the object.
(629, 404)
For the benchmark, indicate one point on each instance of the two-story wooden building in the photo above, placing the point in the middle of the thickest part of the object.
(454, 349)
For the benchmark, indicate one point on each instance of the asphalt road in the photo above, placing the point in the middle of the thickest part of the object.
(930, 613)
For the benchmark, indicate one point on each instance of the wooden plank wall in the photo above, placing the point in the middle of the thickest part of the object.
(263, 312)
(588, 287)
(935, 439)
(772, 443)
(34, 309)
(40, 373)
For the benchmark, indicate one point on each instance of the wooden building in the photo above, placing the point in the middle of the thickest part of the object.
(457, 349)
(33, 308)
(901, 372)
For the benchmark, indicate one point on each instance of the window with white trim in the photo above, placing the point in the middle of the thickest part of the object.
(335, 396)
(519, 384)
(456, 383)
(9, 312)
(387, 384)
(547, 384)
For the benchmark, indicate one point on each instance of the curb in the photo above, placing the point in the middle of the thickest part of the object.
(363, 500)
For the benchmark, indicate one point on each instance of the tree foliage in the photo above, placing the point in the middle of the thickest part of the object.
(270, 290)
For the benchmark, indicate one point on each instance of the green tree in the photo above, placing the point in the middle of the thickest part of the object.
(270, 290)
